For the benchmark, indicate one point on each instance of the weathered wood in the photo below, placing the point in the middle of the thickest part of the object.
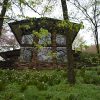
(35, 50)
(52, 26)
(47, 23)
(54, 47)
(14, 54)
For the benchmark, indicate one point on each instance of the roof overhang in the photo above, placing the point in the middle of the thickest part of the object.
(10, 54)
(47, 23)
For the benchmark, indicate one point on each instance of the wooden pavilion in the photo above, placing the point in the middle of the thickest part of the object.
(55, 41)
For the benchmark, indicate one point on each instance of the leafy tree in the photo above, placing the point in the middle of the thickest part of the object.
(91, 12)
(8, 10)
(2, 14)
(79, 43)
(32, 4)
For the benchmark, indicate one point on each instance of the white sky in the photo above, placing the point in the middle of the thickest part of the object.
(57, 13)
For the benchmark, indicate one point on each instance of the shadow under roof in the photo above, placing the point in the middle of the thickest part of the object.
(52, 25)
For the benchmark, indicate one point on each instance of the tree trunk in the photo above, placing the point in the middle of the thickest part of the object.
(96, 27)
(97, 47)
(70, 67)
(3, 11)
(64, 9)
(97, 42)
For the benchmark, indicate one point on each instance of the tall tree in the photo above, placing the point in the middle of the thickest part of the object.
(79, 43)
(91, 11)
(2, 14)
(70, 67)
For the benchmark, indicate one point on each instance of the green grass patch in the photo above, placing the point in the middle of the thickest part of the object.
(49, 85)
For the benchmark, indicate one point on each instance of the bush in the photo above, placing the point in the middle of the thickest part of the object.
(72, 97)
(9, 96)
(87, 59)
(82, 72)
(23, 87)
(42, 81)
(48, 85)
(91, 77)
(2, 85)
(42, 86)
(96, 80)
(98, 72)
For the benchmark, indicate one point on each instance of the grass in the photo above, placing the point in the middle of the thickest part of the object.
(49, 85)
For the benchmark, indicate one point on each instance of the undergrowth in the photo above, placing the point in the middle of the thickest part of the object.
(49, 85)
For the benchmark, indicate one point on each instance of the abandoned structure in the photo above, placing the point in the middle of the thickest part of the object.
(47, 49)
(10, 57)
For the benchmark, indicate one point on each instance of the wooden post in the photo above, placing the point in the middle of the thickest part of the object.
(54, 47)
(35, 52)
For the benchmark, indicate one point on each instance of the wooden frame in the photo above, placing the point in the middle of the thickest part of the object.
(20, 28)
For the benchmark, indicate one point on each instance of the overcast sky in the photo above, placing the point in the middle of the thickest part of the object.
(57, 13)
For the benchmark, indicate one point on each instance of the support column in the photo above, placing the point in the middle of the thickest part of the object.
(35, 51)
(54, 47)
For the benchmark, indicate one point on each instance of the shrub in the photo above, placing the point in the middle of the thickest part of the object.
(42, 86)
(53, 79)
(32, 93)
(87, 59)
(72, 97)
(98, 72)
(23, 87)
(2, 85)
(82, 71)
(96, 80)
(91, 77)
(9, 96)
